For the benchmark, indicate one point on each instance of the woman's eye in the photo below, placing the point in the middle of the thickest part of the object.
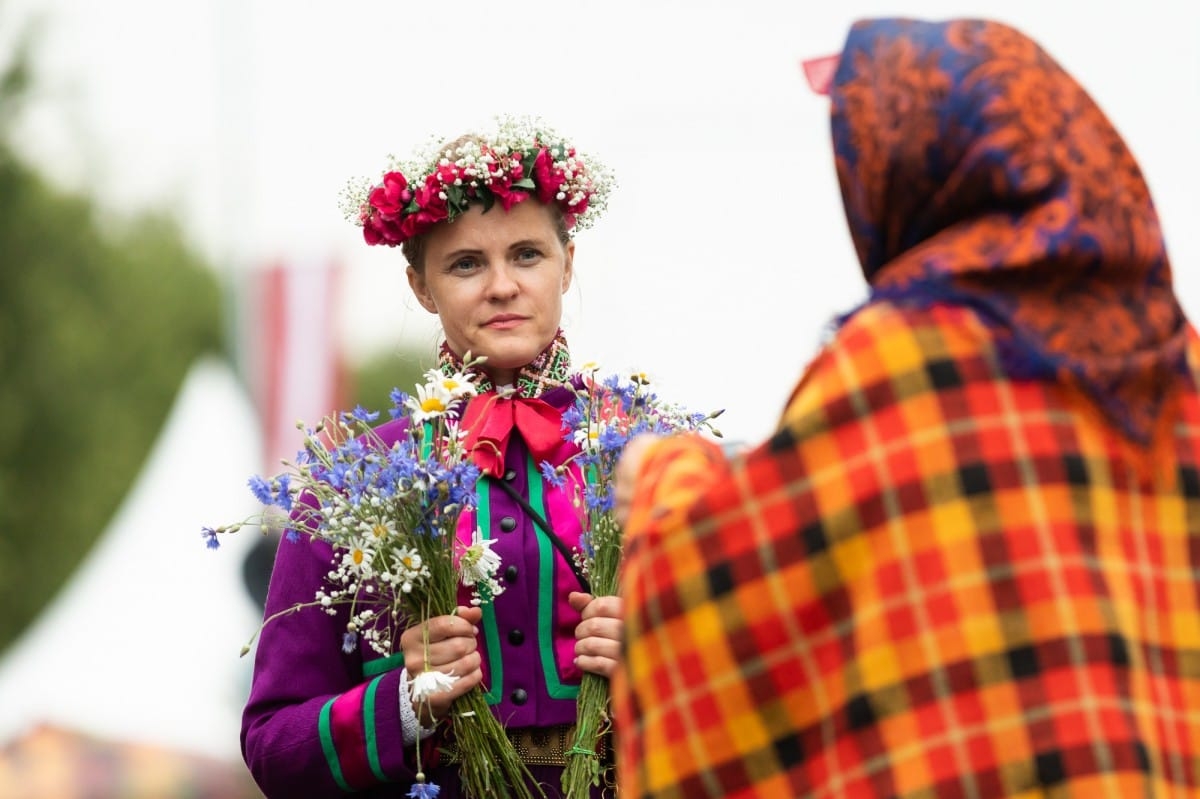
(463, 265)
(528, 254)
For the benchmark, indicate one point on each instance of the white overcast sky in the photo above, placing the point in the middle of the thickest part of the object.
(724, 251)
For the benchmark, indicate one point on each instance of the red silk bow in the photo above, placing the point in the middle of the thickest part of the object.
(489, 421)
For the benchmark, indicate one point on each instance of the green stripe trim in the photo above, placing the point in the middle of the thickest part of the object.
(546, 555)
(331, 756)
(426, 440)
(369, 727)
(491, 630)
(372, 668)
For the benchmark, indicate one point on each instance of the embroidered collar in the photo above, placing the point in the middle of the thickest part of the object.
(548, 370)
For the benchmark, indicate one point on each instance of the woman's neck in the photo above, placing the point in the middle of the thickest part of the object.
(501, 377)
(549, 369)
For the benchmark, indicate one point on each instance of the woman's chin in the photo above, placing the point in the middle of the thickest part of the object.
(511, 355)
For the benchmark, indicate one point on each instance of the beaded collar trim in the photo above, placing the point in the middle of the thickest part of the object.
(550, 369)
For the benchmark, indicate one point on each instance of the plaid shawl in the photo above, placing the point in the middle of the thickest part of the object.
(950, 573)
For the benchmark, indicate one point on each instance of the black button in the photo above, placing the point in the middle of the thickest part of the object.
(510, 475)
(508, 524)
(519, 697)
(510, 574)
(516, 637)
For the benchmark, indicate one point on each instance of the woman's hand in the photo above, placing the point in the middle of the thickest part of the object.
(452, 649)
(598, 636)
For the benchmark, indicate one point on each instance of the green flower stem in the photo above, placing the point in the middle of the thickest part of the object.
(491, 767)
(584, 767)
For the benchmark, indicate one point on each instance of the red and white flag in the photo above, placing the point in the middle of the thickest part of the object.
(292, 347)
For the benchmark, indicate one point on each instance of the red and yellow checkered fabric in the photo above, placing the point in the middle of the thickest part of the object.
(933, 582)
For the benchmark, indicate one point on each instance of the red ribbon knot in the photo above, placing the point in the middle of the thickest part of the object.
(490, 419)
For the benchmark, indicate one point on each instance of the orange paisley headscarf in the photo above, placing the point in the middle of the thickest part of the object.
(974, 170)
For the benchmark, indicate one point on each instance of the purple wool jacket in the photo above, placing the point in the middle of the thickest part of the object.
(319, 722)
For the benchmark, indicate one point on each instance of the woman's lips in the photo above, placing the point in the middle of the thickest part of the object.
(504, 321)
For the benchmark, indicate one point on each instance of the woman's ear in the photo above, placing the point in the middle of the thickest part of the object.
(568, 266)
(420, 290)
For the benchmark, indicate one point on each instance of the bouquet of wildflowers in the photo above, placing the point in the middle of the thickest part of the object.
(390, 514)
(606, 414)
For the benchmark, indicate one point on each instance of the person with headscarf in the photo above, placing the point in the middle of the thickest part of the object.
(967, 562)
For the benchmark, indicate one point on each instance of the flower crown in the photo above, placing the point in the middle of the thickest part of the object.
(522, 158)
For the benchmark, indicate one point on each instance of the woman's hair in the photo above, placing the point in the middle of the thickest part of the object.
(413, 248)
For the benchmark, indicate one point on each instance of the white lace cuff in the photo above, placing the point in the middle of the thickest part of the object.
(413, 731)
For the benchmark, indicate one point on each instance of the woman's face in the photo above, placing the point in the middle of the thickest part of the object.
(496, 281)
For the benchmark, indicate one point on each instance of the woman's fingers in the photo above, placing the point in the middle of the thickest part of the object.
(446, 644)
(579, 601)
(436, 705)
(472, 614)
(598, 635)
(598, 656)
(441, 643)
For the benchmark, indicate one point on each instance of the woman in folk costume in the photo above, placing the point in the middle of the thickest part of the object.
(486, 227)
(967, 564)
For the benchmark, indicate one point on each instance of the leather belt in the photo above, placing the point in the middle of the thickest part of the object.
(536, 746)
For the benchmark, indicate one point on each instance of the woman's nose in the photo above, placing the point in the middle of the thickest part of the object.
(503, 283)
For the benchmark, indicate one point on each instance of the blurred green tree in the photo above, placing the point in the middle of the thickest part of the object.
(374, 379)
(100, 318)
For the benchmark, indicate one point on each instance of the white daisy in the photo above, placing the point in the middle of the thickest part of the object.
(431, 402)
(428, 683)
(478, 562)
(357, 560)
(457, 385)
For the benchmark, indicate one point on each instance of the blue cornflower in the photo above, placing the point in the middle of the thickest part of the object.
(571, 419)
(643, 425)
(399, 403)
(595, 500)
(352, 451)
(283, 494)
(424, 790)
(291, 535)
(261, 489)
(210, 538)
(551, 475)
(349, 641)
(336, 476)
(402, 461)
(363, 415)
(462, 484)
(612, 440)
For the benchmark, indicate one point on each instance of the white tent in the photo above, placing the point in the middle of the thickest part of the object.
(142, 643)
